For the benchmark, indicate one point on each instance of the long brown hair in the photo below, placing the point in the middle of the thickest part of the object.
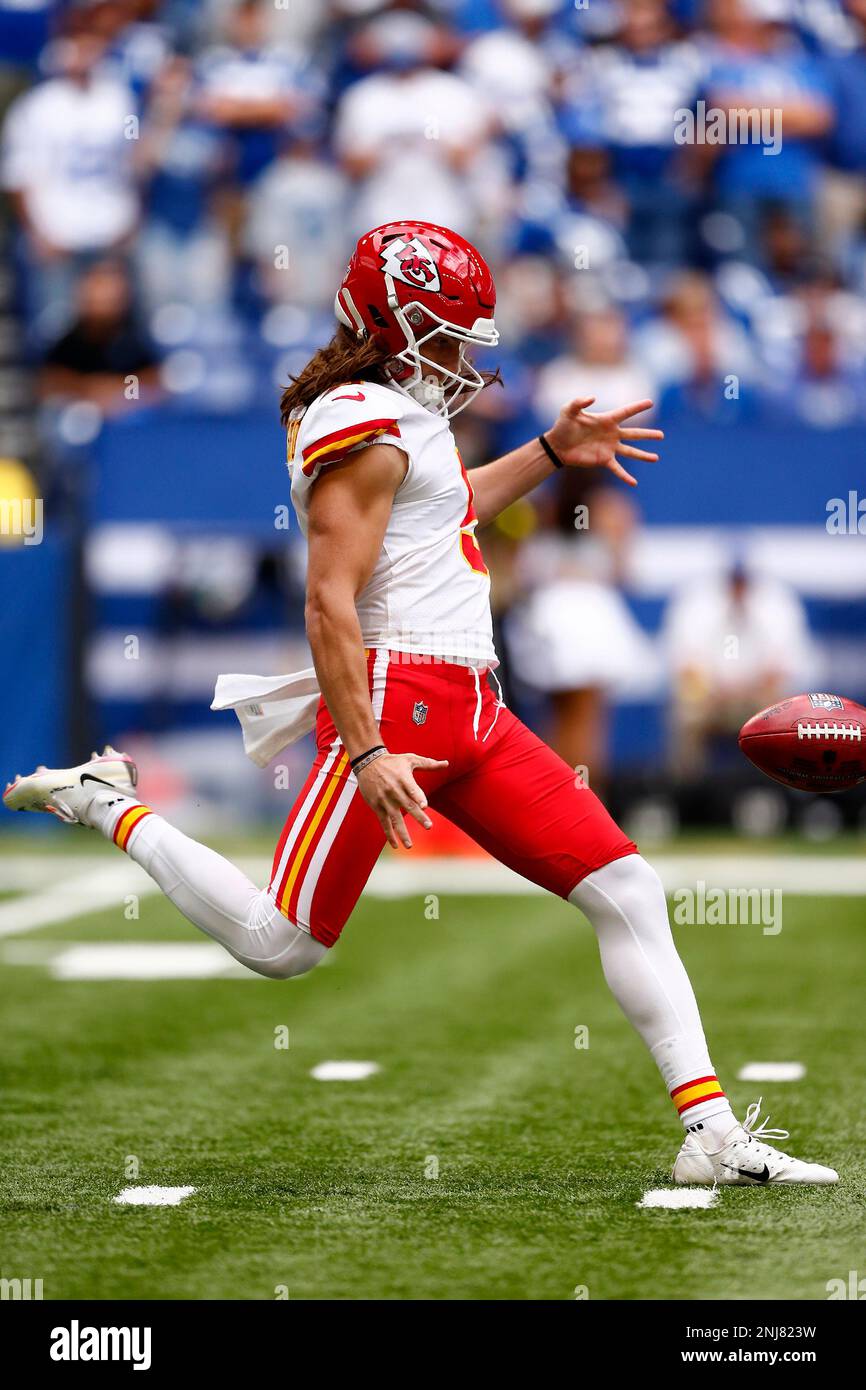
(341, 360)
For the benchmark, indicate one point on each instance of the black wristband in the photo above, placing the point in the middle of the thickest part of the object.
(361, 756)
(551, 453)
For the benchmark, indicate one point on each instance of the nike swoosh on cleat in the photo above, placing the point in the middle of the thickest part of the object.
(762, 1176)
(89, 777)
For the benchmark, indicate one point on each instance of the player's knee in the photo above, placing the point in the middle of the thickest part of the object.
(301, 955)
(627, 888)
(637, 878)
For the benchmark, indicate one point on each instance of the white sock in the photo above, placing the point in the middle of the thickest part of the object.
(209, 890)
(625, 902)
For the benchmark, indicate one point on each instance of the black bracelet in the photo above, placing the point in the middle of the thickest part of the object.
(554, 458)
(361, 756)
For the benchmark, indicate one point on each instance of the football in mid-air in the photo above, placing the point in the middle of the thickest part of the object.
(816, 743)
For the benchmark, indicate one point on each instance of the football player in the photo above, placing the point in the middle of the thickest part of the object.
(398, 620)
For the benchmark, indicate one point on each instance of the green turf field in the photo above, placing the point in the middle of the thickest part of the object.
(326, 1190)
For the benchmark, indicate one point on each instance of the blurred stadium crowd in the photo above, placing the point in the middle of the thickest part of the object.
(186, 177)
(184, 181)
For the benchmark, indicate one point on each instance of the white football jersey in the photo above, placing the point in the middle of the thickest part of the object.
(430, 590)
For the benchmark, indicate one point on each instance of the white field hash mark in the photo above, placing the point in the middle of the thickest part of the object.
(153, 1196)
(678, 1198)
(772, 1071)
(344, 1071)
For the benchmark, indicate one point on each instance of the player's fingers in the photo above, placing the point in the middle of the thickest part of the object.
(413, 800)
(417, 761)
(411, 794)
(626, 411)
(631, 453)
(575, 407)
(403, 831)
(638, 432)
(412, 809)
(388, 826)
(616, 467)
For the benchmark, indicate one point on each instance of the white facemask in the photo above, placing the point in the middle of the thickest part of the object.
(437, 388)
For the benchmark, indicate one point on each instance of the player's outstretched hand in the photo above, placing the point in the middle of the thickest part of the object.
(584, 439)
(388, 786)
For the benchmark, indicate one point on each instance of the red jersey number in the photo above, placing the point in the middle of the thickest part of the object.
(468, 540)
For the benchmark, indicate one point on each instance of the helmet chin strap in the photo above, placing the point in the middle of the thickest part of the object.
(428, 391)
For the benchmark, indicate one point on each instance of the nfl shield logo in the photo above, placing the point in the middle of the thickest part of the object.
(419, 713)
(826, 702)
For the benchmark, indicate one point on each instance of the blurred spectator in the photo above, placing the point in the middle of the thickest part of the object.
(772, 299)
(582, 225)
(600, 364)
(137, 43)
(826, 389)
(756, 63)
(843, 195)
(574, 638)
(296, 230)
(252, 88)
(515, 68)
(629, 93)
(531, 310)
(700, 357)
(735, 643)
(182, 252)
(104, 358)
(68, 165)
(411, 134)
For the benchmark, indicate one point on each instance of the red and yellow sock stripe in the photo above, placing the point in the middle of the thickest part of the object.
(696, 1092)
(127, 822)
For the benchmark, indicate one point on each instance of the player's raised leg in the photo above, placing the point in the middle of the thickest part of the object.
(208, 889)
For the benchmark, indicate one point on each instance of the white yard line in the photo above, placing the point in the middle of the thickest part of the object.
(97, 884)
(836, 876)
(84, 884)
(23, 873)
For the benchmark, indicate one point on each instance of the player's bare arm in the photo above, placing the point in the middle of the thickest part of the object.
(349, 509)
(580, 438)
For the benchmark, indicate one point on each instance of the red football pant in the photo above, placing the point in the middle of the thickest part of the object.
(503, 786)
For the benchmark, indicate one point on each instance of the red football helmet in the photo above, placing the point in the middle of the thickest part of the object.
(409, 282)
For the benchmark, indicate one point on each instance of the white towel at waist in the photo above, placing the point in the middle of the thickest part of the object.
(274, 711)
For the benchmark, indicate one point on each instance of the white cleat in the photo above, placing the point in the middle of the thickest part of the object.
(746, 1159)
(63, 792)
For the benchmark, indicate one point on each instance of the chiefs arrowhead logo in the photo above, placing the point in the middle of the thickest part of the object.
(411, 262)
